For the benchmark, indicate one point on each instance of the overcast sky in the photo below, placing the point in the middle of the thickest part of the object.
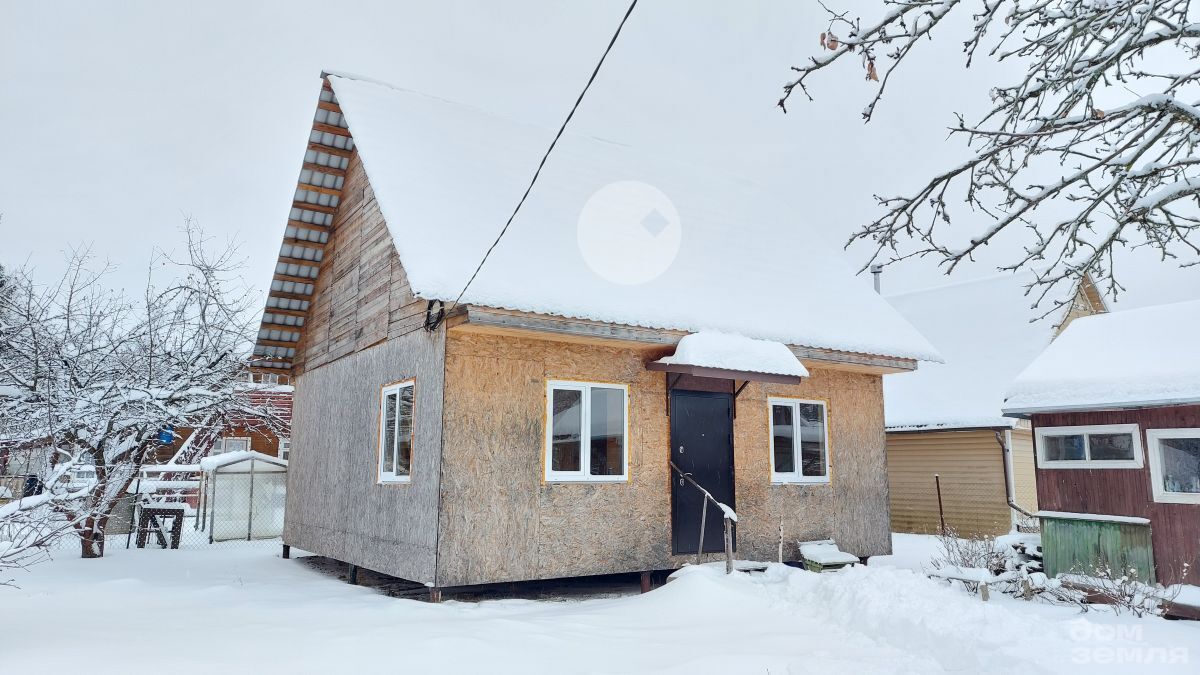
(121, 118)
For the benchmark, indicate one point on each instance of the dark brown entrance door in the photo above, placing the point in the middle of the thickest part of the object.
(701, 445)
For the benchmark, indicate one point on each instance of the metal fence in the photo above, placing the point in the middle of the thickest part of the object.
(192, 506)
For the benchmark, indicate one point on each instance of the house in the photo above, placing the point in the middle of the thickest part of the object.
(945, 419)
(265, 389)
(528, 429)
(1115, 407)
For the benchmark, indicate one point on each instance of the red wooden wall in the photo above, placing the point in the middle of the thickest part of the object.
(1127, 492)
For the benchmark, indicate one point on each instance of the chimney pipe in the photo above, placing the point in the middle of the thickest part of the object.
(877, 272)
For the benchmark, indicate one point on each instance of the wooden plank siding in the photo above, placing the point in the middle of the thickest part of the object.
(1082, 546)
(260, 441)
(1087, 301)
(362, 295)
(971, 468)
(501, 521)
(1127, 492)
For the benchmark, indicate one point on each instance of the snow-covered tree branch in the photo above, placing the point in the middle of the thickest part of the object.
(1091, 150)
(88, 377)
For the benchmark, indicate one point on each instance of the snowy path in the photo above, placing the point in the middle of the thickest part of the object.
(232, 610)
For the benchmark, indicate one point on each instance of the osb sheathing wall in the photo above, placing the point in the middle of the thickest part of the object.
(500, 520)
(335, 505)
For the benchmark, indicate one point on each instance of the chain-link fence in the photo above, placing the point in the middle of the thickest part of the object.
(222, 501)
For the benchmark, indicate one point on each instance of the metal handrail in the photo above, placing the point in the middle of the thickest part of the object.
(729, 514)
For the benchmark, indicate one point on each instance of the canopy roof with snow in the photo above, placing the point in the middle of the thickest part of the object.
(447, 175)
(259, 461)
(987, 330)
(1135, 358)
(708, 352)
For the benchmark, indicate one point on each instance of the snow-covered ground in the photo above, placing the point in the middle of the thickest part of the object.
(230, 609)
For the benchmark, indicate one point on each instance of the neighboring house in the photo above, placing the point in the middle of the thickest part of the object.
(946, 419)
(527, 431)
(268, 390)
(1115, 406)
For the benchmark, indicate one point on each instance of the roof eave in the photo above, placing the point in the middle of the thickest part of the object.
(1026, 411)
(483, 317)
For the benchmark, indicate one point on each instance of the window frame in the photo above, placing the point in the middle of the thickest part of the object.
(285, 446)
(1160, 493)
(797, 476)
(391, 477)
(585, 450)
(221, 443)
(1087, 430)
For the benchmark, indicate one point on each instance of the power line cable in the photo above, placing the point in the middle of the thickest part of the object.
(546, 156)
(532, 181)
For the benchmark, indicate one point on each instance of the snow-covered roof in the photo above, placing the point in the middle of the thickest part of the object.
(987, 331)
(210, 464)
(446, 176)
(726, 351)
(1064, 515)
(1133, 358)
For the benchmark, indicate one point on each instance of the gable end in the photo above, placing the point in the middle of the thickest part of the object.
(319, 192)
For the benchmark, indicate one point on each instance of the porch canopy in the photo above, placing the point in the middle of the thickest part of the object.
(732, 357)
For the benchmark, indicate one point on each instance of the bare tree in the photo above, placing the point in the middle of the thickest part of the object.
(91, 377)
(1125, 174)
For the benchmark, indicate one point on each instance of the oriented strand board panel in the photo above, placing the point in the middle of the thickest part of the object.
(853, 508)
(335, 506)
(971, 469)
(1024, 470)
(500, 520)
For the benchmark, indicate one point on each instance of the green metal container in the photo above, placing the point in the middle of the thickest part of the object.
(1077, 546)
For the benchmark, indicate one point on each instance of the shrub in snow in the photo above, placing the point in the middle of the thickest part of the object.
(1122, 588)
(967, 553)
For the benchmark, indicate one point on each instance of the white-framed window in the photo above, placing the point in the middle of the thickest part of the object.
(285, 448)
(1175, 465)
(396, 432)
(587, 425)
(231, 444)
(799, 441)
(1105, 446)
